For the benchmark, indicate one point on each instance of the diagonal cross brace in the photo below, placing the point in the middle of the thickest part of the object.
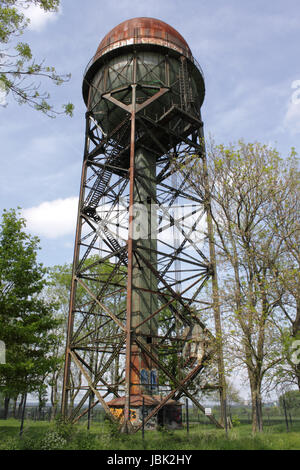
(96, 379)
(138, 107)
(116, 320)
(178, 385)
(90, 383)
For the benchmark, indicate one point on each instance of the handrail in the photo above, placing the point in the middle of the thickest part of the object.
(165, 42)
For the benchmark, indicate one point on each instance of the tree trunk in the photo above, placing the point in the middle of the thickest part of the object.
(298, 375)
(53, 412)
(40, 407)
(296, 331)
(257, 422)
(23, 414)
(54, 401)
(20, 407)
(15, 407)
(6, 406)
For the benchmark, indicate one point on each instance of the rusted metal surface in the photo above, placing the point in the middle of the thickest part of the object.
(129, 373)
(70, 324)
(143, 31)
(136, 400)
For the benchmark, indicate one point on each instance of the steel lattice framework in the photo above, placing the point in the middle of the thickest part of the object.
(161, 120)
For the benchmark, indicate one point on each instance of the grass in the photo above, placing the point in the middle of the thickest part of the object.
(103, 436)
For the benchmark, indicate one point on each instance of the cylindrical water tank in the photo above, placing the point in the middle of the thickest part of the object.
(151, 54)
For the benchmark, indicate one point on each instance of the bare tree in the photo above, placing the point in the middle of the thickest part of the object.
(244, 183)
(285, 224)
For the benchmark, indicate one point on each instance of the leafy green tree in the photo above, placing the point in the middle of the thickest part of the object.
(248, 186)
(19, 70)
(26, 320)
(286, 272)
(58, 290)
(290, 400)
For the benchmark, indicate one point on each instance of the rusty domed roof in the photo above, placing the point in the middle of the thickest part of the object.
(143, 30)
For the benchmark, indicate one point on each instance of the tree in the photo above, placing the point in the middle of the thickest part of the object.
(244, 181)
(26, 320)
(286, 228)
(18, 67)
(58, 289)
(291, 401)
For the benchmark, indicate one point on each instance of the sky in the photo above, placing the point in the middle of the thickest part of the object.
(248, 51)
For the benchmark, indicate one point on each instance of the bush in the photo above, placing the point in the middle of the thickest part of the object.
(235, 421)
(84, 440)
(65, 430)
(9, 443)
(52, 441)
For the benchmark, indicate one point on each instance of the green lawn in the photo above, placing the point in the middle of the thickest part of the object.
(102, 436)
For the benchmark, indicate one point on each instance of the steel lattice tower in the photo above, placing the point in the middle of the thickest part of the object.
(134, 329)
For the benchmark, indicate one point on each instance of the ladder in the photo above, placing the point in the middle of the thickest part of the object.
(185, 90)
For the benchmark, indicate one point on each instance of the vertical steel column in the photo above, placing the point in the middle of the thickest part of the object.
(127, 425)
(215, 287)
(66, 379)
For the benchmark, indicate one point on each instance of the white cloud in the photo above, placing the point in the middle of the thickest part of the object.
(38, 17)
(291, 119)
(52, 219)
(57, 218)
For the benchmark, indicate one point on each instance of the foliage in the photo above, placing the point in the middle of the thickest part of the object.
(291, 400)
(235, 421)
(17, 64)
(63, 429)
(254, 202)
(26, 320)
(52, 441)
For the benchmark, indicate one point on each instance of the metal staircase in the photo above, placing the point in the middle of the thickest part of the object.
(98, 189)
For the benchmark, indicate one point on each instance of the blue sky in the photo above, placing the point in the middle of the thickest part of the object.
(249, 52)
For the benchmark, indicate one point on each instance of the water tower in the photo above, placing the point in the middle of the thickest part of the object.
(135, 341)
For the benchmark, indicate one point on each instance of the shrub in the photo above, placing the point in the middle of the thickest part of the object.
(9, 443)
(52, 441)
(235, 421)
